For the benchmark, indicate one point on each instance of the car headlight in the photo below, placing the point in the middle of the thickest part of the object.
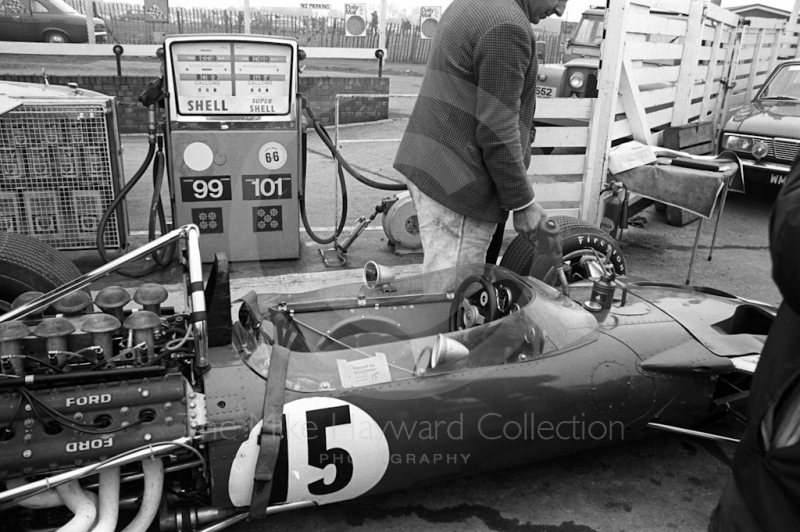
(737, 143)
(760, 149)
(577, 80)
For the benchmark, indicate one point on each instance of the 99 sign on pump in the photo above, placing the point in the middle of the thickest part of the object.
(234, 135)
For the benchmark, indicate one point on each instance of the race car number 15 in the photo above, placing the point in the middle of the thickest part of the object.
(334, 450)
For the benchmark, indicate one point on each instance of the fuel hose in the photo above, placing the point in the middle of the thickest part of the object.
(156, 206)
(341, 163)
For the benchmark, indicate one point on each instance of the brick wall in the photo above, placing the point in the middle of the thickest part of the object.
(320, 91)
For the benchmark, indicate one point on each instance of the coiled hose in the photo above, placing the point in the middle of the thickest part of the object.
(340, 164)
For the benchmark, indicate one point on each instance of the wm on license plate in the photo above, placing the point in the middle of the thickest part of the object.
(544, 92)
(777, 179)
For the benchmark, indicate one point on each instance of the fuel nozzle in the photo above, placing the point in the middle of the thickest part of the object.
(335, 256)
(361, 224)
(548, 245)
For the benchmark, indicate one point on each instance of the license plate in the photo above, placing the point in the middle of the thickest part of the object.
(777, 179)
(544, 92)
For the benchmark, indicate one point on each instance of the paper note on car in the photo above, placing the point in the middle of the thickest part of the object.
(364, 372)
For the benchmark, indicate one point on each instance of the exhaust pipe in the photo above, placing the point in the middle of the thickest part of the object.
(109, 500)
(82, 503)
(153, 486)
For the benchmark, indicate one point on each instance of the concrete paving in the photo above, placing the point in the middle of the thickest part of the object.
(665, 483)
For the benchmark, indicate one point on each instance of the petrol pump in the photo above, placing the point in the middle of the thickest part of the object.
(234, 142)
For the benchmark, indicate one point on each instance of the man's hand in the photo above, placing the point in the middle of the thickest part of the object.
(526, 221)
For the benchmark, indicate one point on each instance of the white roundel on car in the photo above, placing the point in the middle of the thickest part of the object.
(335, 452)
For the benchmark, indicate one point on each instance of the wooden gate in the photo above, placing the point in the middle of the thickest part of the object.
(663, 63)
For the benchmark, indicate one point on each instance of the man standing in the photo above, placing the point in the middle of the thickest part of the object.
(764, 491)
(466, 149)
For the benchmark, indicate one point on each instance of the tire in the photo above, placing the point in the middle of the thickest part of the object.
(55, 37)
(28, 264)
(576, 236)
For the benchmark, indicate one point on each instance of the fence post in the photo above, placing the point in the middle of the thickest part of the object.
(382, 26)
(247, 16)
(728, 79)
(691, 50)
(88, 10)
(604, 108)
(751, 80)
(386, 44)
(792, 27)
(716, 46)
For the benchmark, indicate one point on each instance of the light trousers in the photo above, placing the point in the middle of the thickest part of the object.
(449, 239)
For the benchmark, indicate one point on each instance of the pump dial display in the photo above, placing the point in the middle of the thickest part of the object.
(232, 77)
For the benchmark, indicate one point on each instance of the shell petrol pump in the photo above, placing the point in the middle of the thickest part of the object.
(234, 135)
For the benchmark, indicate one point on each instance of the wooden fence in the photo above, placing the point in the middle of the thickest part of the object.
(657, 71)
(128, 24)
(755, 53)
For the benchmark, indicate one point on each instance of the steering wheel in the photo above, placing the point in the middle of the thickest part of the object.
(460, 307)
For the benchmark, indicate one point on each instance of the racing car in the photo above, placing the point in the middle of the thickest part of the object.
(203, 417)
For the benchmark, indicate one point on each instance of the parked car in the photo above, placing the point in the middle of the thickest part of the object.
(52, 21)
(577, 76)
(765, 134)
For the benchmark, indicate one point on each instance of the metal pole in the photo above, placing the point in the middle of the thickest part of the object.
(232, 520)
(694, 250)
(382, 26)
(719, 214)
(88, 10)
(118, 50)
(336, 168)
(690, 432)
(197, 298)
(85, 280)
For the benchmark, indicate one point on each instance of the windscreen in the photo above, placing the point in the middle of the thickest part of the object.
(354, 335)
(785, 85)
(589, 32)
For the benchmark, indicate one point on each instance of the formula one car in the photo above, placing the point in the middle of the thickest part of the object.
(200, 420)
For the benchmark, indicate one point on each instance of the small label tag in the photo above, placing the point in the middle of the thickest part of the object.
(364, 372)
